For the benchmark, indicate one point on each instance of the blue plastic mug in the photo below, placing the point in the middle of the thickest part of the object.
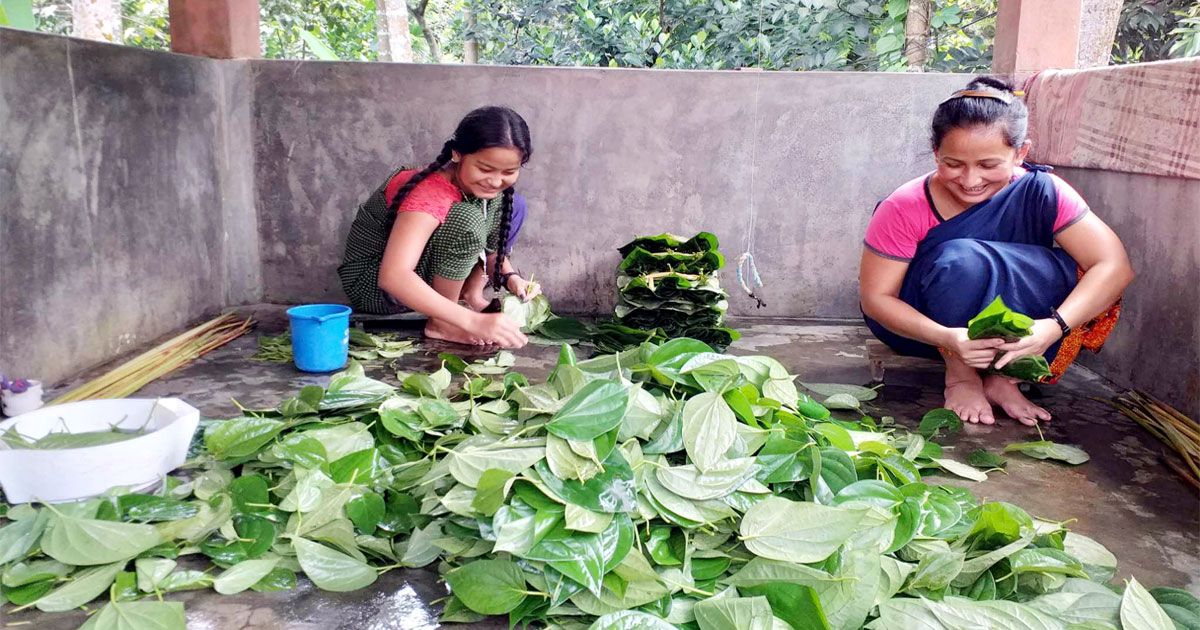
(320, 336)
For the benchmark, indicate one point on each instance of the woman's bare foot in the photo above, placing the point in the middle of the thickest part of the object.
(437, 329)
(1004, 392)
(964, 393)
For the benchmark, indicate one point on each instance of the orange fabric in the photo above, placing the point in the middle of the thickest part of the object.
(1091, 335)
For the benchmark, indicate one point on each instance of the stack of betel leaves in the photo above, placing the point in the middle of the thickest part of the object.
(667, 486)
(998, 321)
(669, 285)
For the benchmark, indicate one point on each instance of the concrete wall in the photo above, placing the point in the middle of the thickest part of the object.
(122, 216)
(141, 191)
(801, 158)
(1156, 347)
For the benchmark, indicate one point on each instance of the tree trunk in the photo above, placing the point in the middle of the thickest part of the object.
(916, 34)
(1098, 21)
(470, 47)
(418, 13)
(391, 25)
(96, 19)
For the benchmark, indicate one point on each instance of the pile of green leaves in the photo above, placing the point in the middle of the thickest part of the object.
(668, 486)
(668, 287)
(998, 321)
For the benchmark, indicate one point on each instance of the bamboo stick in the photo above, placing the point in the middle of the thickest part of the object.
(136, 373)
(1169, 426)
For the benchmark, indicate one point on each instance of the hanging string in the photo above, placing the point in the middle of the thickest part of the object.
(745, 262)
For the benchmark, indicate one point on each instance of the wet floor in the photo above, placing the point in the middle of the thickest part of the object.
(1124, 497)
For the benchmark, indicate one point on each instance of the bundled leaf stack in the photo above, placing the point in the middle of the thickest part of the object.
(998, 321)
(665, 487)
(668, 287)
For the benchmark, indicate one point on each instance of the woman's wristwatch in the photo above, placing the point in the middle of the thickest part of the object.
(1062, 323)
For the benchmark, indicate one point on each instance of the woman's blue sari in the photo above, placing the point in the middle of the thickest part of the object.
(1003, 246)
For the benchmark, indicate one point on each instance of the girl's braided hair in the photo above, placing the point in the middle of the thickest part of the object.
(482, 128)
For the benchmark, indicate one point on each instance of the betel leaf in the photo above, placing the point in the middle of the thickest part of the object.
(981, 458)
(796, 604)
(18, 537)
(152, 571)
(143, 615)
(240, 437)
(83, 587)
(859, 393)
(279, 579)
(953, 613)
(709, 429)
(88, 542)
(595, 409)
(366, 511)
(332, 570)
(470, 459)
(1139, 610)
(1045, 560)
(780, 529)
(491, 491)
(842, 402)
(148, 508)
(1097, 561)
(244, 575)
(962, 470)
(630, 620)
(734, 613)
(489, 587)
(23, 573)
(577, 555)
(997, 320)
(1045, 449)
(720, 480)
(934, 422)
(612, 490)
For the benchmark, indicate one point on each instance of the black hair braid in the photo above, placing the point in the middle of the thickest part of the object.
(506, 212)
(437, 163)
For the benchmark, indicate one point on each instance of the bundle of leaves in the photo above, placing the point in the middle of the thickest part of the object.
(998, 321)
(669, 286)
(664, 487)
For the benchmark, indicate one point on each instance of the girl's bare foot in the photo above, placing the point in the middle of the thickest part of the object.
(437, 329)
(1004, 392)
(964, 393)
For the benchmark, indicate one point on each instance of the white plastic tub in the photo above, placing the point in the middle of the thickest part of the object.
(138, 463)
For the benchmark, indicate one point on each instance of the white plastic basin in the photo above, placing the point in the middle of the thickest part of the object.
(60, 475)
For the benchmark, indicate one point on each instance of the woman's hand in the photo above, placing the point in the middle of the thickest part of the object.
(523, 288)
(1044, 333)
(497, 329)
(977, 353)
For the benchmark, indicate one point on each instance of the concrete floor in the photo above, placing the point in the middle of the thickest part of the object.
(1124, 497)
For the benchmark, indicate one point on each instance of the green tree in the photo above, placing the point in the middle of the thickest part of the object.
(1145, 30)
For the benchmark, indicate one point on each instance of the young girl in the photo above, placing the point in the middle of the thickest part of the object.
(985, 223)
(427, 239)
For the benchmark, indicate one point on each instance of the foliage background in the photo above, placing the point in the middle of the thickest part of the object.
(714, 34)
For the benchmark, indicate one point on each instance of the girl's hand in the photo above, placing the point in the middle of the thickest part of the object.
(497, 329)
(977, 353)
(1045, 333)
(523, 288)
